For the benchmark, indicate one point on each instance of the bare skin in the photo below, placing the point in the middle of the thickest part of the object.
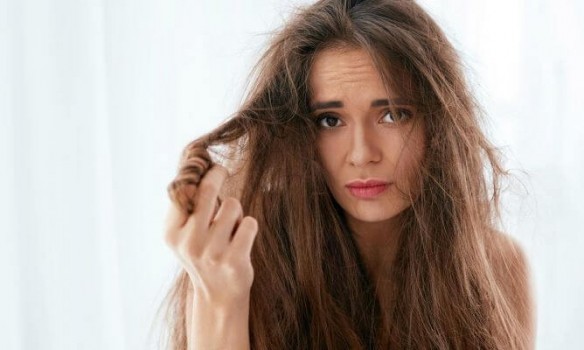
(514, 273)
(362, 139)
(358, 141)
(214, 246)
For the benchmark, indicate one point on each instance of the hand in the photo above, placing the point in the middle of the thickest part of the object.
(214, 249)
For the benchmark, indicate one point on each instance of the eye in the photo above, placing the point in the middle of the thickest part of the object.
(327, 121)
(397, 115)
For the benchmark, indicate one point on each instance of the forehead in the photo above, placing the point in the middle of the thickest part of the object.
(341, 71)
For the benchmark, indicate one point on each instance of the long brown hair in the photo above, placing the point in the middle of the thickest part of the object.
(310, 289)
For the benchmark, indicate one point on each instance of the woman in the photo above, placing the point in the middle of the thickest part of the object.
(356, 212)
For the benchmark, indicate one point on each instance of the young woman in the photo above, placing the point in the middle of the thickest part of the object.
(352, 202)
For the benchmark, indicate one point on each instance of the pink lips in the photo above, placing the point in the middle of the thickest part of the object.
(367, 188)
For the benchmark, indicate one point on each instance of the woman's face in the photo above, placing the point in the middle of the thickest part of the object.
(360, 138)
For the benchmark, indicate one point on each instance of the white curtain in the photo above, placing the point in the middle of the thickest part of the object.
(98, 97)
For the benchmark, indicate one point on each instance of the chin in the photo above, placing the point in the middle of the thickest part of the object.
(375, 212)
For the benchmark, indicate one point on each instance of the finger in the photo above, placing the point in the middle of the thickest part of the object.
(190, 224)
(175, 216)
(224, 225)
(207, 194)
(174, 220)
(244, 237)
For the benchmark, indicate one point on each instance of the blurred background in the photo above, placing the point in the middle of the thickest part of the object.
(98, 98)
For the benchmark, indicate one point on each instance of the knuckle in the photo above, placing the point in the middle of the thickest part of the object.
(250, 223)
(233, 204)
(238, 257)
(232, 267)
(207, 189)
(222, 169)
(236, 265)
(214, 259)
(210, 261)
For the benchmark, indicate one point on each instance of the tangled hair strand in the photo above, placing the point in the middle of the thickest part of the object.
(311, 290)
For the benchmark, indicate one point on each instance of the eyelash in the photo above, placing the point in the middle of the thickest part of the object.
(325, 115)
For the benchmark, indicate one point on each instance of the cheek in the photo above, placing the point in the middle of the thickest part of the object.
(330, 158)
(328, 153)
(410, 160)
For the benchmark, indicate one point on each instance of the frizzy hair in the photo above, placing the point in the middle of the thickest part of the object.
(311, 290)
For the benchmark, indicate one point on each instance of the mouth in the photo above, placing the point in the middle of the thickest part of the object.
(368, 191)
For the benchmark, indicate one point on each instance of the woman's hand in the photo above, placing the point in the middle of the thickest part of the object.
(214, 244)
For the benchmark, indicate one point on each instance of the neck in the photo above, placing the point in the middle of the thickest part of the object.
(377, 243)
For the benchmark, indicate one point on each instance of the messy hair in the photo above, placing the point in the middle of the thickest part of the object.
(311, 290)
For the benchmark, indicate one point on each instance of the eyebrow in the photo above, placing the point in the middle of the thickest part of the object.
(374, 103)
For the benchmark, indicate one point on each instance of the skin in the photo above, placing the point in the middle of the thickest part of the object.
(360, 139)
(514, 275)
(214, 246)
(363, 139)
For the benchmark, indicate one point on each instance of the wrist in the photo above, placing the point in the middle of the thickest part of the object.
(221, 309)
(220, 304)
(224, 320)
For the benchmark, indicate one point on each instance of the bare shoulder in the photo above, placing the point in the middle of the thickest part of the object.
(512, 269)
(510, 255)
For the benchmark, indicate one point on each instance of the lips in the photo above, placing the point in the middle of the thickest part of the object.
(366, 183)
(367, 188)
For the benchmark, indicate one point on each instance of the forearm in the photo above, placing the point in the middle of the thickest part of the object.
(214, 327)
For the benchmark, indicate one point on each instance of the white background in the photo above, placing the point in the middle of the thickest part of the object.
(98, 97)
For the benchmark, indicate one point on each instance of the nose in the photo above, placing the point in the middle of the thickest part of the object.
(364, 148)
